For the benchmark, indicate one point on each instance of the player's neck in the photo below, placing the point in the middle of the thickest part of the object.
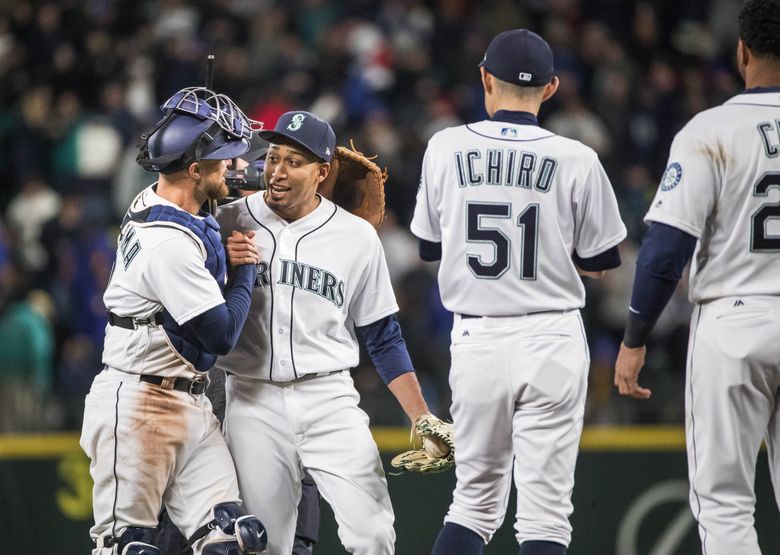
(179, 194)
(762, 73)
(291, 214)
(516, 105)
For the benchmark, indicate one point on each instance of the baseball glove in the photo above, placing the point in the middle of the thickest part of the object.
(437, 452)
(356, 184)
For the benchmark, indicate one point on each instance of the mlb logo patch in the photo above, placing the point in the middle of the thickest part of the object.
(525, 76)
(509, 132)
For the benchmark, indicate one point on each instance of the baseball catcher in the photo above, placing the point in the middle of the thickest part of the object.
(437, 449)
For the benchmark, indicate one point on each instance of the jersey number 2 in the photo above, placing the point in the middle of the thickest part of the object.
(759, 240)
(527, 221)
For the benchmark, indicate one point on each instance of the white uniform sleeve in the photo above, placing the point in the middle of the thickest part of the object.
(179, 278)
(226, 217)
(374, 298)
(689, 187)
(598, 223)
(425, 222)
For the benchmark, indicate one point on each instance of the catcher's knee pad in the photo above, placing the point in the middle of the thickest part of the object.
(137, 541)
(229, 531)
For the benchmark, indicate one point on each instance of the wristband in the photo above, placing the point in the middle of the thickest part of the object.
(637, 331)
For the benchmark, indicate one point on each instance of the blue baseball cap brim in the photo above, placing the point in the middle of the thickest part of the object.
(276, 137)
(258, 148)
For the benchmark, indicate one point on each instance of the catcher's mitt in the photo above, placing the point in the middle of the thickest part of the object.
(437, 453)
(356, 184)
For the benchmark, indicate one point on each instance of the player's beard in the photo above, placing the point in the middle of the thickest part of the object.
(218, 191)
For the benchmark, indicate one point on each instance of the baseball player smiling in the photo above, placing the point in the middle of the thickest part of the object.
(290, 401)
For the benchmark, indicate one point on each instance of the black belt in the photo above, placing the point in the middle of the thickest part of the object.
(193, 387)
(130, 323)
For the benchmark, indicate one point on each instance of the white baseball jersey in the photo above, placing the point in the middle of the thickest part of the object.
(722, 185)
(150, 445)
(158, 264)
(510, 204)
(318, 278)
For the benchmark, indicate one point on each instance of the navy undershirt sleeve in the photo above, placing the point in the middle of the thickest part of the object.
(387, 348)
(430, 251)
(218, 328)
(662, 258)
(606, 260)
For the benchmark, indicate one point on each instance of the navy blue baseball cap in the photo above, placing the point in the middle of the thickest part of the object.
(258, 148)
(305, 129)
(520, 57)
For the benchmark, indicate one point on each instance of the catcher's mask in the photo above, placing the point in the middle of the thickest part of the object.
(198, 124)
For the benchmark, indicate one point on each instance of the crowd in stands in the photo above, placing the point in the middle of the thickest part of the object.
(81, 80)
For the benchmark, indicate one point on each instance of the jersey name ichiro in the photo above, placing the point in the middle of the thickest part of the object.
(511, 204)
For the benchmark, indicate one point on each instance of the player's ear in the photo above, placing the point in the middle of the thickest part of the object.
(743, 57)
(487, 80)
(551, 88)
(193, 170)
(323, 171)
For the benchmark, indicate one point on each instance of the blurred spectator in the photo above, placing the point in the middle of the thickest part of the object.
(28, 211)
(81, 79)
(575, 121)
(400, 248)
(26, 349)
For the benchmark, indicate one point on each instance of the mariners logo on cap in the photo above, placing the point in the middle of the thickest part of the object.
(297, 122)
(672, 177)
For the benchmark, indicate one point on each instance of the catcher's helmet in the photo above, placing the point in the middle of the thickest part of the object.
(198, 125)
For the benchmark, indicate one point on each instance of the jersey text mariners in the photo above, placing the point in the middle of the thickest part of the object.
(722, 185)
(318, 277)
(511, 204)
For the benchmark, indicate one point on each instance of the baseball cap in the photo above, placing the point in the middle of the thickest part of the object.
(520, 57)
(305, 129)
(257, 149)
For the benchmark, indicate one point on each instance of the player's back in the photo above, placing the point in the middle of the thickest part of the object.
(722, 185)
(510, 204)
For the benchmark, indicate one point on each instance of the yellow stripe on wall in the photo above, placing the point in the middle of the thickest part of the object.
(389, 439)
(39, 446)
(633, 438)
(594, 438)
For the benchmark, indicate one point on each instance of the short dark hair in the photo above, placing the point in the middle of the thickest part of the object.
(519, 91)
(759, 27)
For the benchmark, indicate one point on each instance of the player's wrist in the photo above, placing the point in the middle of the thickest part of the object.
(637, 331)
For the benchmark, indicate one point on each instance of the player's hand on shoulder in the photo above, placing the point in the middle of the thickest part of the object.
(241, 248)
(627, 366)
